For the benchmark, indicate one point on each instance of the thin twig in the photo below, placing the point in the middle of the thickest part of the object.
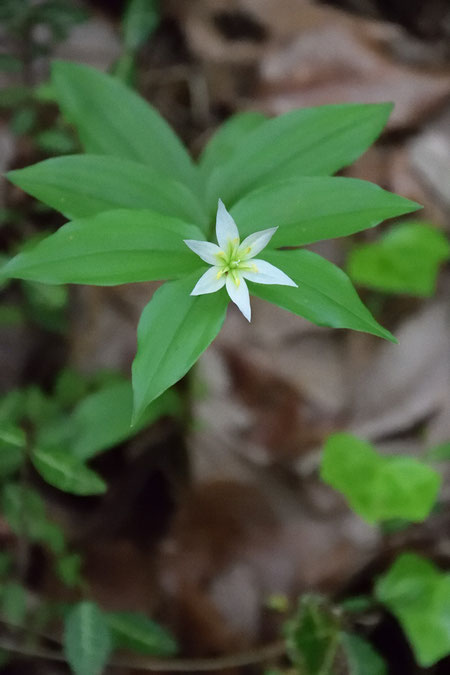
(257, 655)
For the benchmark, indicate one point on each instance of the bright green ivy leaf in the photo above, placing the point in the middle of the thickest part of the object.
(111, 119)
(66, 472)
(362, 659)
(103, 419)
(87, 639)
(379, 487)
(84, 185)
(114, 247)
(418, 594)
(405, 260)
(312, 637)
(311, 209)
(139, 634)
(174, 329)
(309, 142)
(325, 294)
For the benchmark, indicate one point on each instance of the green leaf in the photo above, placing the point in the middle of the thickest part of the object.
(11, 407)
(379, 487)
(228, 139)
(68, 568)
(310, 142)
(174, 329)
(418, 594)
(310, 209)
(114, 247)
(87, 639)
(84, 185)
(439, 452)
(139, 634)
(140, 20)
(103, 419)
(66, 472)
(111, 119)
(361, 657)
(6, 563)
(56, 141)
(325, 294)
(13, 601)
(12, 445)
(405, 260)
(14, 96)
(24, 510)
(312, 637)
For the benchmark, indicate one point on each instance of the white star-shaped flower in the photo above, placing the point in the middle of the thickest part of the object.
(233, 262)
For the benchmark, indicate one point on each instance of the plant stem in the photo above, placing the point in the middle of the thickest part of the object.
(257, 655)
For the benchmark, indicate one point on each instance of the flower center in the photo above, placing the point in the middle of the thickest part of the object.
(230, 264)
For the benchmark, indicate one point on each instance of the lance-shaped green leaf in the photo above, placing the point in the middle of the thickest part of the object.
(325, 294)
(111, 119)
(140, 634)
(114, 247)
(83, 185)
(405, 260)
(103, 419)
(379, 487)
(308, 209)
(418, 594)
(66, 472)
(228, 139)
(174, 329)
(309, 142)
(87, 639)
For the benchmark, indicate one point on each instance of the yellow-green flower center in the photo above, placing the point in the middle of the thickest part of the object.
(232, 261)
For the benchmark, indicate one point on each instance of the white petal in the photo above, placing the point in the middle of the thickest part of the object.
(267, 274)
(240, 296)
(208, 282)
(204, 249)
(256, 242)
(226, 229)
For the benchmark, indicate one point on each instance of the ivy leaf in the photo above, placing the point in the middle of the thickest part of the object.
(66, 472)
(379, 487)
(114, 247)
(418, 594)
(312, 637)
(309, 142)
(139, 634)
(111, 119)
(405, 260)
(325, 294)
(174, 329)
(87, 639)
(311, 209)
(84, 185)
